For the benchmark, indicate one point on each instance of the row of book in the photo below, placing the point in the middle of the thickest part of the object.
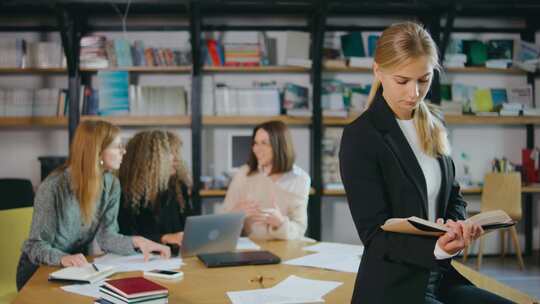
(19, 53)
(256, 49)
(339, 99)
(99, 52)
(354, 49)
(460, 98)
(493, 53)
(30, 102)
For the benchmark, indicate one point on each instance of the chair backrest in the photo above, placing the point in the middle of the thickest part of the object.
(502, 191)
(14, 229)
(16, 193)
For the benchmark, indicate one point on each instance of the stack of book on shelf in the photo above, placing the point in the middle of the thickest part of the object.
(231, 101)
(352, 47)
(29, 102)
(493, 53)
(18, 53)
(93, 53)
(296, 100)
(132, 290)
(158, 100)
(45, 55)
(113, 92)
(330, 158)
(528, 56)
(13, 54)
(97, 52)
(239, 49)
(297, 49)
(461, 98)
(242, 54)
(332, 52)
(454, 57)
(341, 99)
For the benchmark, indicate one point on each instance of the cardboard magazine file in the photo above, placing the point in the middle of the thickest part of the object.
(489, 220)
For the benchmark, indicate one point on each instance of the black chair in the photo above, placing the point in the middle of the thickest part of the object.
(16, 193)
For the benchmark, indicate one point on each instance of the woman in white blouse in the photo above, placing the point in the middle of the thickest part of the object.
(271, 190)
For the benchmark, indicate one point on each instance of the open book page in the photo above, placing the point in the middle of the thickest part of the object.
(492, 219)
(413, 225)
(82, 274)
(489, 220)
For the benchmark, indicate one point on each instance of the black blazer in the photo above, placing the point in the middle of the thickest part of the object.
(383, 180)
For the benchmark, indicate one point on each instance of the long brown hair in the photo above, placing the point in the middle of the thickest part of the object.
(91, 138)
(282, 147)
(147, 170)
(397, 45)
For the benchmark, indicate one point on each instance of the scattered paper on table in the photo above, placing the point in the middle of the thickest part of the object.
(245, 243)
(88, 290)
(330, 261)
(136, 262)
(292, 290)
(338, 248)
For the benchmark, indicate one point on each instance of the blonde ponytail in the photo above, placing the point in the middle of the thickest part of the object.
(397, 45)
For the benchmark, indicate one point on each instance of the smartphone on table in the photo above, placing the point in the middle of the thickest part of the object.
(164, 274)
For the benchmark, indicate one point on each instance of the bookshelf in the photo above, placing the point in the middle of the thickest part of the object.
(314, 13)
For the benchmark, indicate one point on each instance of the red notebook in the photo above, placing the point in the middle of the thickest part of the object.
(135, 287)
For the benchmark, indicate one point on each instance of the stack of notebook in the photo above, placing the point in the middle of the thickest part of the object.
(132, 290)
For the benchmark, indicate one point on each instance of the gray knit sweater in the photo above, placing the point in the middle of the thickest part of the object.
(57, 226)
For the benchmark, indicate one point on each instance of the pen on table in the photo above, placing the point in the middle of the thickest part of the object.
(95, 267)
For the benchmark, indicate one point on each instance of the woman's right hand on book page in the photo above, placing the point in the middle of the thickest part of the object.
(470, 231)
(147, 247)
(76, 260)
(452, 241)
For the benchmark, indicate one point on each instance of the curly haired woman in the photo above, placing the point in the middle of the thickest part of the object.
(155, 188)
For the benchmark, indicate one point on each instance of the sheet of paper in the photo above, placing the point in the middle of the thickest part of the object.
(136, 262)
(331, 261)
(245, 243)
(264, 296)
(291, 290)
(337, 248)
(294, 286)
(88, 290)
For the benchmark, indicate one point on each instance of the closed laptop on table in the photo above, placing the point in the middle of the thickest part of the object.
(222, 259)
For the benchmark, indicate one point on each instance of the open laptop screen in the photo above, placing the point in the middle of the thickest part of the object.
(211, 233)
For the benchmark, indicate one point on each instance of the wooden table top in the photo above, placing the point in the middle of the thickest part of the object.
(206, 285)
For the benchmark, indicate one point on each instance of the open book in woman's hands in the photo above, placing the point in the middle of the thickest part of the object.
(489, 220)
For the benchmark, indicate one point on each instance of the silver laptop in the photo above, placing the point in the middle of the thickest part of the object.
(211, 233)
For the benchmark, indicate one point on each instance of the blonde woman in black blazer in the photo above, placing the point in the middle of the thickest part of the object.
(395, 162)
